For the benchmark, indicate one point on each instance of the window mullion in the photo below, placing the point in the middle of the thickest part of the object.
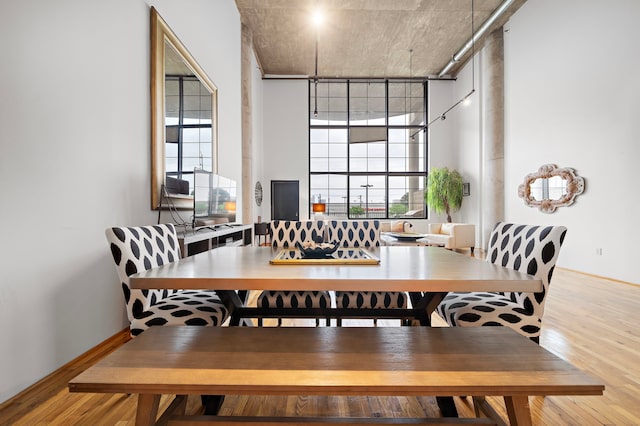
(180, 125)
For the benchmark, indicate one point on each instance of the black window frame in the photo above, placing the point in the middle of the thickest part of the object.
(387, 174)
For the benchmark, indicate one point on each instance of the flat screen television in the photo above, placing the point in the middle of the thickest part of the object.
(214, 199)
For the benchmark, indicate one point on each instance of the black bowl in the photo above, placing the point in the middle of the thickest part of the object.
(317, 252)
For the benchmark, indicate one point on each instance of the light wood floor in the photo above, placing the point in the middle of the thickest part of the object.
(591, 322)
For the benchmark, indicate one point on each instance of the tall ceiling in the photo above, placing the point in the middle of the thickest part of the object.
(365, 38)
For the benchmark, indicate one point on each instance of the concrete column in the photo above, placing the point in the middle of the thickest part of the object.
(247, 139)
(492, 83)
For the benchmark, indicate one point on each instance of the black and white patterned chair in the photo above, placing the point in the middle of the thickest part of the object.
(136, 249)
(526, 248)
(354, 233)
(285, 233)
(362, 233)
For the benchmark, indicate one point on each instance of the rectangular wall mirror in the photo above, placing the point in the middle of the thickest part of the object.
(183, 119)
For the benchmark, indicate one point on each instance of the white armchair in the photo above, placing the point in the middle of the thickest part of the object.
(453, 235)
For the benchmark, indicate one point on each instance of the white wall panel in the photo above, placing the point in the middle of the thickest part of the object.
(572, 97)
(286, 139)
(75, 143)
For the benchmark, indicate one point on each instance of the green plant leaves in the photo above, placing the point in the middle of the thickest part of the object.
(444, 191)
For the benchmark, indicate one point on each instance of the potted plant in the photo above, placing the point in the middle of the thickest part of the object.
(444, 191)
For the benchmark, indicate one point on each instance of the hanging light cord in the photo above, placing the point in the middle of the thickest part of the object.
(315, 81)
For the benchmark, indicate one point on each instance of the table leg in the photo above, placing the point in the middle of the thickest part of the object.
(518, 410)
(419, 303)
(234, 300)
(243, 295)
(425, 304)
(147, 409)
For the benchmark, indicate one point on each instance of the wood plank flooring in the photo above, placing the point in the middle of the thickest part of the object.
(589, 321)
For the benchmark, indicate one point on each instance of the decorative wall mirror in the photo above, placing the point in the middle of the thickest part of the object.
(183, 119)
(551, 187)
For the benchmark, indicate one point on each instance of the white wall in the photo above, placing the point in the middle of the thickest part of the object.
(286, 138)
(75, 143)
(443, 151)
(468, 134)
(572, 97)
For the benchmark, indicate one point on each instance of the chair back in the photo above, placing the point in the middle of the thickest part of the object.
(530, 249)
(286, 233)
(136, 249)
(355, 233)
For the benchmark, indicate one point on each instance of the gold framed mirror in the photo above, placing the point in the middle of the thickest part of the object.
(184, 124)
(551, 187)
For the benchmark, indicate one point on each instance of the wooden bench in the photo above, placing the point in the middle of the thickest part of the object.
(384, 361)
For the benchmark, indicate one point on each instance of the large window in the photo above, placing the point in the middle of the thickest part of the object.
(367, 153)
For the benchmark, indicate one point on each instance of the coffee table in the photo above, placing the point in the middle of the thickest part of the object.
(388, 239)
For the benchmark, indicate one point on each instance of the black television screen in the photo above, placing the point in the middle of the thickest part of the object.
(214, 197)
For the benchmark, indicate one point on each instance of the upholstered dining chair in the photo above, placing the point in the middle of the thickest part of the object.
(526, 248)
(136, 249)
(286, 233)
(362, 233)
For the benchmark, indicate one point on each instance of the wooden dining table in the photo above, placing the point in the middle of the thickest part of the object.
(426, 273)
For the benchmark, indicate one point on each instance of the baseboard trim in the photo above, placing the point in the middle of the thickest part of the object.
(600, 277)
(45, 388)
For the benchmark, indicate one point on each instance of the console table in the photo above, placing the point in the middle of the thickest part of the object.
(204, 239)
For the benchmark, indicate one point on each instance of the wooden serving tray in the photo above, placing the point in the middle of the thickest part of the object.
(342, 256)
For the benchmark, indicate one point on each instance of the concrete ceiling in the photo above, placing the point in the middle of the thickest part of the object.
(364, 38)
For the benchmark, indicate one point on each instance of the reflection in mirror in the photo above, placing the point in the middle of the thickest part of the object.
(551, 187)
(184, 125)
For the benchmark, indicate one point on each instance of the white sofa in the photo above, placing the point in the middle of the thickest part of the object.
(395, 226)
(453, 235)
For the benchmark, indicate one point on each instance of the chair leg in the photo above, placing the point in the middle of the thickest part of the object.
(260, 322)
(338, 322)
(279, 322)
(317, 322)
(375, 322)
